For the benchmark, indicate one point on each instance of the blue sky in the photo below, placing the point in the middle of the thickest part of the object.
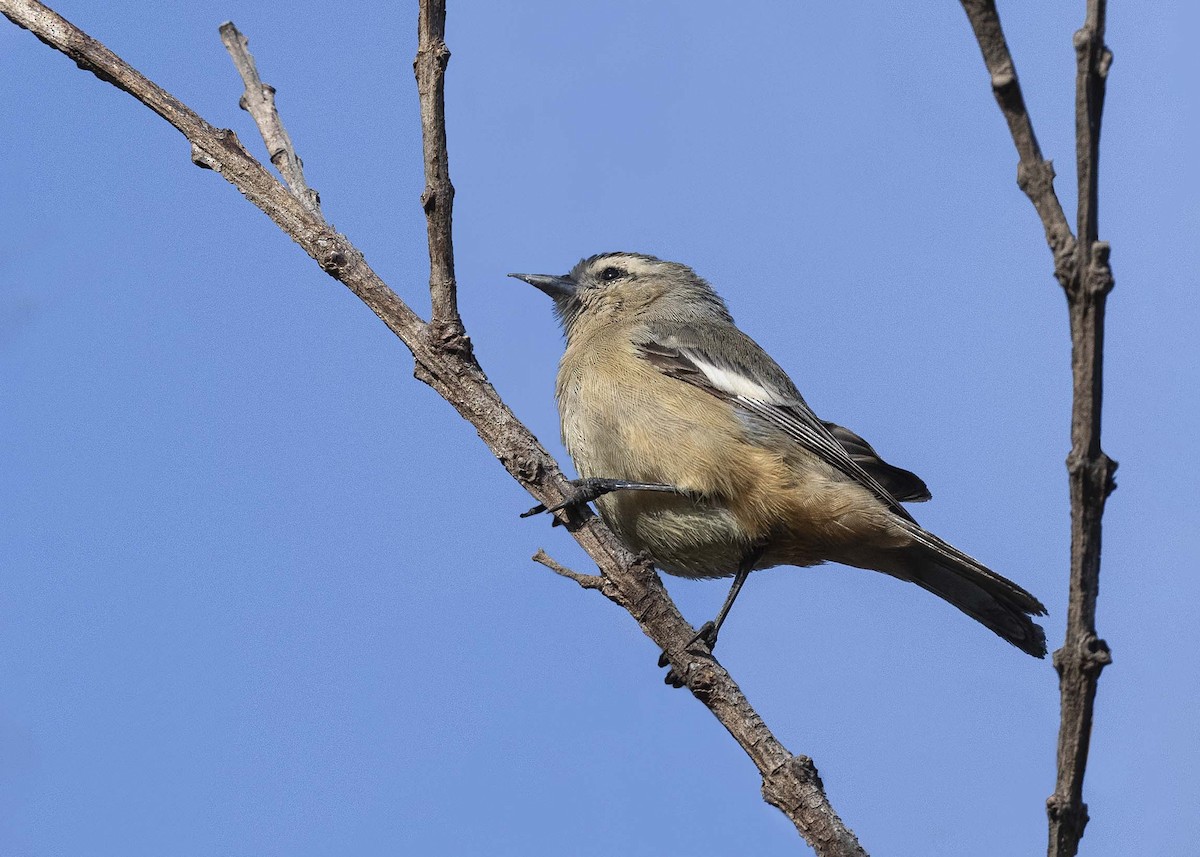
(264, 593)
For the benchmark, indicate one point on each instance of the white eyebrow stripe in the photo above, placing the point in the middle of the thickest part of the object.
(733, 382)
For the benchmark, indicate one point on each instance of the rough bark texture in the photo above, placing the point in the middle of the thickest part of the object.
(1084, 654)
(1081, 267)
(445, 362)
(438, 196)
(259, 101)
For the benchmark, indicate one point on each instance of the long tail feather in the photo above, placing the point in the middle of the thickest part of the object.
(994, 601)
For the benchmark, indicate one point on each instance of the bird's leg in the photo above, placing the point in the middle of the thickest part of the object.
(709, 630)
(584, 491)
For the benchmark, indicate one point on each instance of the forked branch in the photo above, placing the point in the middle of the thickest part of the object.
(1082, 268)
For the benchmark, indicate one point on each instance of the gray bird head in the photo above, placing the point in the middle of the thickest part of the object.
(615, 288)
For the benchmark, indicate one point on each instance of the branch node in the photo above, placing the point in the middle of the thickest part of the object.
(435, 48)
(333, 263)
(1099, 273)
(1094, 654)
(778, 786)
(202, 159)
(1096, 472)
(796, 767)
(449, 335)
(1089, 655)
(1070, 817)
(1035, 177)
(528, 466)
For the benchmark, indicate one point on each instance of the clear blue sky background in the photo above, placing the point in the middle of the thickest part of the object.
(264, 594)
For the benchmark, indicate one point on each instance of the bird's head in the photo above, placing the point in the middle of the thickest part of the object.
(625, 288)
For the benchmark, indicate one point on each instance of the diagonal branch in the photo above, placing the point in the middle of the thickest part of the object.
(1035, 175)
(790, 782)
(259, 101)
(1081, 267)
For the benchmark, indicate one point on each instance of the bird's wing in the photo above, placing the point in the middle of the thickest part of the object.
(902, 484)
(723, 361)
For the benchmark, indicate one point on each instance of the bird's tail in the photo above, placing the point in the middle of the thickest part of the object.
(976, 590)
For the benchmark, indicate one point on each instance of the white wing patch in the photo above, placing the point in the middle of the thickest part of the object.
(734, 383)
(794, 418)
(784, 410)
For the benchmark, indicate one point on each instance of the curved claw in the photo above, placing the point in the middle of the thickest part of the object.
(708, 634)
(672, 678)
(536, 510)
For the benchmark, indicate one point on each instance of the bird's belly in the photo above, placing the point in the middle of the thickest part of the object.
(812, 523)
(684, 536)
(696, 533)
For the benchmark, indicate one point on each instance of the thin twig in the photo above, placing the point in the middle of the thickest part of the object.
(259, 101)
(1035, 175)
(790, 782)
(438, 196)
(1091, 472)
(587, 581)
(1081, 267)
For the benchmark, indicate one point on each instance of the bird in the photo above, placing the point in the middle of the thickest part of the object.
(698, 449)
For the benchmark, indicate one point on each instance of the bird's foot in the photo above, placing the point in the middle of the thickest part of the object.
(584, 491)
(707, 635)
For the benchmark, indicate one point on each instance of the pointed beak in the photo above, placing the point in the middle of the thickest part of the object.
(555, 286)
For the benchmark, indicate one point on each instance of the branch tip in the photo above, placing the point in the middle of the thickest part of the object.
(258, 100)
(587, 581)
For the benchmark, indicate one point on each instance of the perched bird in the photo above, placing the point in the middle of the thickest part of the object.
(698, 449)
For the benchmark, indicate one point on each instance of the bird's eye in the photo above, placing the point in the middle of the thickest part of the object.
(610, 273)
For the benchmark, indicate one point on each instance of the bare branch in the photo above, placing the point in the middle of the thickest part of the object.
(259, 101)
(587, 581)
(1092, 62)
(1035, 175)
(1084, 654)
(438, 196)
(790, 782)
(1082, 268)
